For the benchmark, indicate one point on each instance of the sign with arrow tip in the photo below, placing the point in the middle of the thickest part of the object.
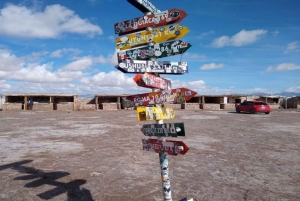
(164, 130)
(153, 20)
(158, 50)
(161, 67)
(168, 146)
(149, 80)
(155, 35)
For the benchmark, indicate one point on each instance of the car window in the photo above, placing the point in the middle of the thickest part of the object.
(260, 103)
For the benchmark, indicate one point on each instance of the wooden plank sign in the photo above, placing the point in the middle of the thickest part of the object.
(149, 80)
(155, 113)
(156, 35)
(158, 50)
(164, 130)
(161, 67)
(144, 6)
(154, 20)
(169, 146)
(179, 95)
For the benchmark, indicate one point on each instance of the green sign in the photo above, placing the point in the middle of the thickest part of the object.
(164, 130)
(158, 50)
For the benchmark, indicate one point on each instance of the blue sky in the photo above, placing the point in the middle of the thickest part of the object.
(68, 47)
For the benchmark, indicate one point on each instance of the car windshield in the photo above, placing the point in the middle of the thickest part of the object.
(260, 103)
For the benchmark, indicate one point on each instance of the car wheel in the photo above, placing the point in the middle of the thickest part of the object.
(252, 111)
(267, 112)
(237, 110)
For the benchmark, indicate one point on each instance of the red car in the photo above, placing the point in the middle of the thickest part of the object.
(253, 107)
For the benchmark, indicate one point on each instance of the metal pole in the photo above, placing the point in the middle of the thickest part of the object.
(166, 185)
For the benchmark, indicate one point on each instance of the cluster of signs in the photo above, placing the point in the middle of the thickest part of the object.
(141, 41)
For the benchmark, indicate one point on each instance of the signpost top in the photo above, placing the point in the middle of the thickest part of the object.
(144, 6)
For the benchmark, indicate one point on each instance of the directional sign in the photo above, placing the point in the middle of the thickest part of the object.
(155, 113)
(156, 35)
(164, 130)
(161, 67)
(169, 146)
(154, 20)
(158, 50)
(144, 6)
(179, 95)
(149, 80)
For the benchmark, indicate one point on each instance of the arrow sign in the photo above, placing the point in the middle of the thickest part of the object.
(161, 67)
(144, 6)
(156, 35)
(149, 80)
(158, 50)
(164, 130)
(155, 113)
(168, 146)
(154, 20)
(179, 95)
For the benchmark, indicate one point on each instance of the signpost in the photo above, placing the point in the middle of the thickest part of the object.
(164, 130)
(179, 95)
(168, 146)
(155, 35)
(155, 113)
(158, 50)
(153, 20)
(144, 6)
(149, 80)
(161, 67)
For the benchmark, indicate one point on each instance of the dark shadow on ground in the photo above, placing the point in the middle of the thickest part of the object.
(38, 178)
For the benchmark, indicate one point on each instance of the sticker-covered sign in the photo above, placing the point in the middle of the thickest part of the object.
(155, 113)
(158, 50)
(144, 6)
(164, 130)
(154, 20)
(149, 80)
(161, 67)
(154, 35)
(179, 95)
(168, 146)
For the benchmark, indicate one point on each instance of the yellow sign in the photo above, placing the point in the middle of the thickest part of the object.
(155, 113)
(153, 35)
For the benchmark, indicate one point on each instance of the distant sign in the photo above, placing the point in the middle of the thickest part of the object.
(144, 6)
(168, 146)
(149, 80)
(155, 113)
(156, 35)
(164, 130)
(158, 50)
(161, 67)
(154, 20)
(179, 95)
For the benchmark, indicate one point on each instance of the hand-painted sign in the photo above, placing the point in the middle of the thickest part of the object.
(154, 20)
(161, 67)
(158, 50)
(149, 80)
(164, 130)
(144, 6)
(156, 35)
(155, 113)
(178, 95)
(168, 146)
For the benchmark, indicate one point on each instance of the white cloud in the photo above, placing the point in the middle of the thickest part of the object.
(283, 67)
(292, 47)
(81, 64)
(205, 34)
(211, 66)
(4, 85)
(9, 62)
(20, 21)
(293, 89)
(196, 56)
(240, 39)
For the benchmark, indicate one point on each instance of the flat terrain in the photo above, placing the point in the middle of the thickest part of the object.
(97, 155)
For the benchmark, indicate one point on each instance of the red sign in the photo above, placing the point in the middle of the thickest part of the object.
(179, 95)
(169, 146)
(149, 80)
(154, 20)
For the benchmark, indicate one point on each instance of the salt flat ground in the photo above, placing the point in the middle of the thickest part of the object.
(97, 155)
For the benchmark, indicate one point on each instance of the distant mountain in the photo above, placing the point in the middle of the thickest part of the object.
(285, 94)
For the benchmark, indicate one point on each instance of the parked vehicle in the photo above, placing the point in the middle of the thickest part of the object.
(253, 107)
